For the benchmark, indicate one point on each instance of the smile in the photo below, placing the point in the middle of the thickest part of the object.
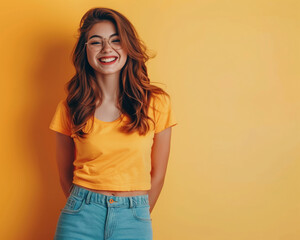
(109, 60)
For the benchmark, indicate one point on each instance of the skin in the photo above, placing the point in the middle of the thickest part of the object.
(108, 79)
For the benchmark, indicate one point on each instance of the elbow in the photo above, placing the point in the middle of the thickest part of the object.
(158, 178)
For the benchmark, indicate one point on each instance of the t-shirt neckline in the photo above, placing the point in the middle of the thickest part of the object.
(104, 122)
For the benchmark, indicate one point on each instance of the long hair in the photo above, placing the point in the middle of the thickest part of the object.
(135, 90)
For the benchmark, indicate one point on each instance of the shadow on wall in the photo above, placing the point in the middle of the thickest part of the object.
(51, 70)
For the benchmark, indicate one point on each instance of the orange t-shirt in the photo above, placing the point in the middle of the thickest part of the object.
(109, 159)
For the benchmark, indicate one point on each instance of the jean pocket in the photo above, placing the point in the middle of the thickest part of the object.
(73, 205)
(142, 213)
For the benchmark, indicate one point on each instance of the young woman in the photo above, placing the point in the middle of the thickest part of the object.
(113, 134)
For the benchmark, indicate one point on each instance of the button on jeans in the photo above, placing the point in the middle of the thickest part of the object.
(93, 216)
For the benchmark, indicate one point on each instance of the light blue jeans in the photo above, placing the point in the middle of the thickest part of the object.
(93, 216)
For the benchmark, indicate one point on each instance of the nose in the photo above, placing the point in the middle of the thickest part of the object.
(106, 47)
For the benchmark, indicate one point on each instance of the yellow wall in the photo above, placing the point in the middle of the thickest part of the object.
(232, 68)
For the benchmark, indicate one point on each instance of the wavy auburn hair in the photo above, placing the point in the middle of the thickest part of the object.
(135, 90)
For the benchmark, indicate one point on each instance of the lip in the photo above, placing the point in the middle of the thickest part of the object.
(107, 56)
(108, 63)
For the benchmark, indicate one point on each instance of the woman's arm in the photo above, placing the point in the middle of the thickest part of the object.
(65, 152)
(159, 161)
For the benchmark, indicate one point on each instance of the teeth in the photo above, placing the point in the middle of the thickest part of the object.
(107, 59)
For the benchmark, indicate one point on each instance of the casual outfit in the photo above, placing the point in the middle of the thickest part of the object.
(114, 161)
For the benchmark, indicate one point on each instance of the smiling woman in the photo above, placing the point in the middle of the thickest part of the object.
(104, 47)
(119, 126)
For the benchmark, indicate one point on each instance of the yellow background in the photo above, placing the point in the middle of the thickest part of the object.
(232, 69)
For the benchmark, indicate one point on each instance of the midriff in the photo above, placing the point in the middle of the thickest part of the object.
(118, 193)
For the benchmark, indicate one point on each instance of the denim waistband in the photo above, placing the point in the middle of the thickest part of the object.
(109, 201)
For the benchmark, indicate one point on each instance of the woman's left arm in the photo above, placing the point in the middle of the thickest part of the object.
(159, 161)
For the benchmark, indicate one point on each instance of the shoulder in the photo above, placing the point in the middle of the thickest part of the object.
(160, 98)
(63, 102)
(62, 109)
(160, 101)
(63, 105)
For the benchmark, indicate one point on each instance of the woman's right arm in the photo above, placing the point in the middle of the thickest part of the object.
(65, 153)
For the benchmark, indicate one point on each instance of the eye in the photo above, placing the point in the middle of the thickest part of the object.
(116, 40)
(96, 43)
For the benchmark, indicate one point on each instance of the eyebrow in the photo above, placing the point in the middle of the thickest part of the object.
(114, 34)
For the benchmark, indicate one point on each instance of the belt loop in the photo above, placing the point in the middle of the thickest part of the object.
(71, 188)
(130, 202)
(88, 197)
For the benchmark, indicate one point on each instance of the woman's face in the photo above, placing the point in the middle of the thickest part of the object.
(105, 29)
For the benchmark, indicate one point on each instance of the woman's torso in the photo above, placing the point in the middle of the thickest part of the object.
(106, 110)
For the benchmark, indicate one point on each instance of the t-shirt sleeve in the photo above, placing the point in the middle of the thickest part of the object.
(164, 117)
(61, 120)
